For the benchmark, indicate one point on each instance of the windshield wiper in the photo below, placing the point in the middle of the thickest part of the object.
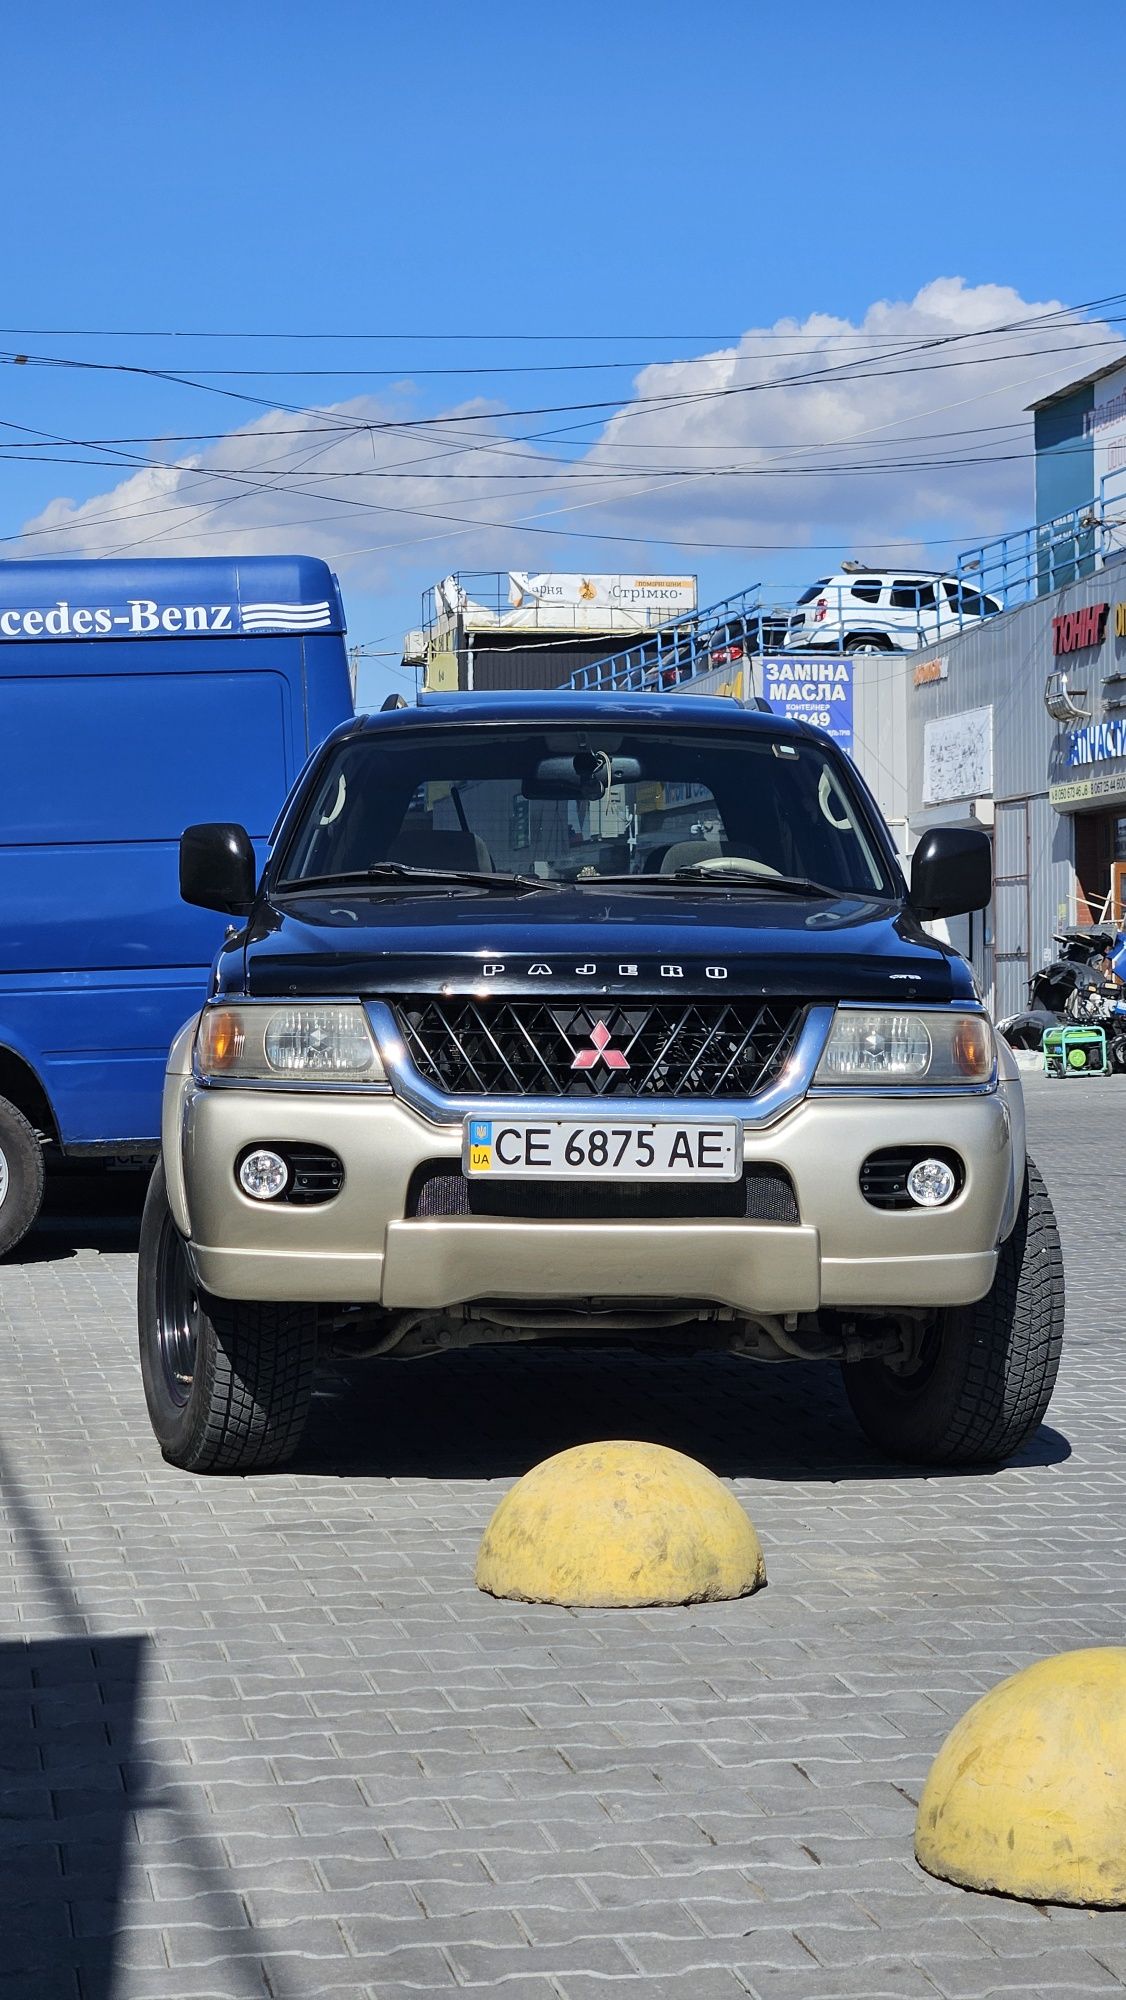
(725, 878)
(791, 885)
(407, 872)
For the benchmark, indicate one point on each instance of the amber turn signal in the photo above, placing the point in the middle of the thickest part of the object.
(221, 1039)
(972, 1047)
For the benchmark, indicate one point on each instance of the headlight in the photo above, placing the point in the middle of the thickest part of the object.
(324, 1044)
(872, 1047)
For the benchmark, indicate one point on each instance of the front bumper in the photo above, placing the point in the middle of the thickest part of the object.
(363, 1247)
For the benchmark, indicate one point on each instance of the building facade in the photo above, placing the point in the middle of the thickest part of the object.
(1020, 726)
(487, 630)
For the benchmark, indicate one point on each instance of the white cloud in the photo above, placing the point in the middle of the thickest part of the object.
(379, 502)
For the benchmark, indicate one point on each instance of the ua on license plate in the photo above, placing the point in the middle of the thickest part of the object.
(583, 1149)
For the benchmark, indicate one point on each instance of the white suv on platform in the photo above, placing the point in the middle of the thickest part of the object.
(862, 610)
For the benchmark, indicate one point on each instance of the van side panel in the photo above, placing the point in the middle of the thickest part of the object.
(99, 1042)
(328, 690)
(98, 779)
(103, 761)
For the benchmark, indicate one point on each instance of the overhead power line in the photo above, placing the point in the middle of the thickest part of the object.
(329, 427)
(861, 370)
(1055, 314)
(476, 370)
(636, 406)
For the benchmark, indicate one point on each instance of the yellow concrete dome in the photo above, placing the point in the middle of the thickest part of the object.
(619, 1524)
(1028, 1793)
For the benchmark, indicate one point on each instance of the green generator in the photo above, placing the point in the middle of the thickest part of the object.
(1075, 1052)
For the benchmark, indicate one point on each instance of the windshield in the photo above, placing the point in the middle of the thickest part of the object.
(581, 804)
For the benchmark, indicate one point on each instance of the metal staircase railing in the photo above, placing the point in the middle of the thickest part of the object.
(682, 647)
(1032, 561)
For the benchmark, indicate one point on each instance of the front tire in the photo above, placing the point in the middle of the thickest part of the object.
(22, 1176)
(985, 1372)
(227, 1382)
(866, 642)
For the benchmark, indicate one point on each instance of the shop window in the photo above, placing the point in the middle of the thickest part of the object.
(1096, 849)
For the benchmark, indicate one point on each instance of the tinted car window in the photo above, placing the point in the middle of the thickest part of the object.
(968, 601)
(498, 799)
(814, 590)
(868, 593)
(912, 594)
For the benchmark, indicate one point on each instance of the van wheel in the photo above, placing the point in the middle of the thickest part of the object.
(227, 1383)
(22, 1176)
(984, 1375)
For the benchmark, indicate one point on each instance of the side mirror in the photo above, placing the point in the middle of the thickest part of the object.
(951, 872)
(217, 867)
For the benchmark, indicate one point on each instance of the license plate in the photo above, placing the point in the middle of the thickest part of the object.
(589, 1150)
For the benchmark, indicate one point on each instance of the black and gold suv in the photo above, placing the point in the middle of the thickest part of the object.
(562, 1015)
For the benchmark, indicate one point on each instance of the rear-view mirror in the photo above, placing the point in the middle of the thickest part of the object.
(218, 869)
(588, 774)
(951, 871)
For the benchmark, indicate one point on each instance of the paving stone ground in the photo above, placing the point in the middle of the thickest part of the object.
(263, 1737)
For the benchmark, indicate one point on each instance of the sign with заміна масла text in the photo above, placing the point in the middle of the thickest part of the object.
(814, 688)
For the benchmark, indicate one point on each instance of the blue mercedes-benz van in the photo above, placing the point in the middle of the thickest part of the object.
(135, 698)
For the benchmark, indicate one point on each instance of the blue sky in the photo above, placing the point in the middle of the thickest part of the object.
(629, 184)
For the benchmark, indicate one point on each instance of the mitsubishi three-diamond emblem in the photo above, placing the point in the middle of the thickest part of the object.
(600, 1052)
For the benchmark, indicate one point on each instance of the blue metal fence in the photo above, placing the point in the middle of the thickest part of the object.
(866, 610)
(675, 651)
(994, 576)
(1032, 561)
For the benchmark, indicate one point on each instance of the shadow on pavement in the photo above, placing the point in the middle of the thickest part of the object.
(67, 1728)
(492, 1414)
(74, 1777)
(92, 1208)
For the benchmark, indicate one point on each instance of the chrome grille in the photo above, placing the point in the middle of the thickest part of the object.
(563, 1048)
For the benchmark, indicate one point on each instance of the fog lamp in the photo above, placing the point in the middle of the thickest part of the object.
(263, 1174)
(930, 1183)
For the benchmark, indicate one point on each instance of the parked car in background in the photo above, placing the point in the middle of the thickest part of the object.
(884, 611)
(726, 644)
(765, 632)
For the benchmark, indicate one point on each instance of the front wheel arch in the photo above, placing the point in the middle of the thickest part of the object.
(987, 1371)
(22, 1085)
(867, 642)
(228, 1388)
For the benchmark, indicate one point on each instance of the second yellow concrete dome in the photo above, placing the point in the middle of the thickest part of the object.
(1028, 1793)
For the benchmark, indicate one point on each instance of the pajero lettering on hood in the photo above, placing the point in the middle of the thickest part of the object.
(852, 948)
